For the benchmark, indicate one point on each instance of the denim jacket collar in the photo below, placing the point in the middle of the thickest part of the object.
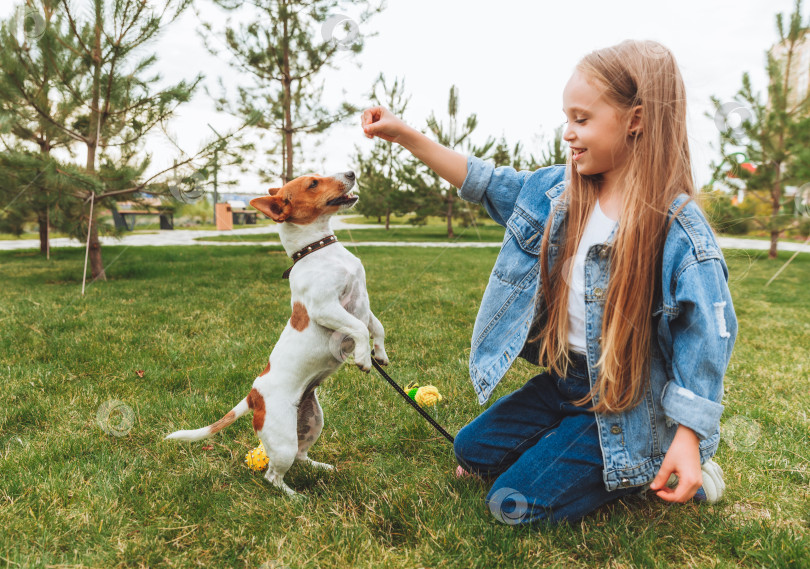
(559, 205)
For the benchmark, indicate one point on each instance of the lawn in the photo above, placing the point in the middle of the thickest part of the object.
(426, 233)
(178, 333)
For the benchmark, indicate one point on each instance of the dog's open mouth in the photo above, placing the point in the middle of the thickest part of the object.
(345, 199)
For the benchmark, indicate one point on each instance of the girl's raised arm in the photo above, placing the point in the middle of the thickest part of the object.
(447, 163)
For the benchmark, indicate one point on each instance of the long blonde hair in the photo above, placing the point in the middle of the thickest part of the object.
(658, 168)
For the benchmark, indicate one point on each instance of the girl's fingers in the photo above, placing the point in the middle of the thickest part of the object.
(371, 115)
(665, 494)
(681, 493)
(380, 122)
(369, 119)
(661, 478)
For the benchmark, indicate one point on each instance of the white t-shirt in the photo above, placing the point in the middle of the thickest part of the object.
(597, 230)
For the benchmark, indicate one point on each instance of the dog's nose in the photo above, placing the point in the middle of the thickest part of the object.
(349, 175)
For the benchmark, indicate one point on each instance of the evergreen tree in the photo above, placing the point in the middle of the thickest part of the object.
(453, 136)
(382, 191)
(27, 198)
(101, 95)
(771, 134)
(284, 59)
(501, 155)
(554, 153)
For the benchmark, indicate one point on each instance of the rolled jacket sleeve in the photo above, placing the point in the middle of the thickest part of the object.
(496, 188)
(703, 335)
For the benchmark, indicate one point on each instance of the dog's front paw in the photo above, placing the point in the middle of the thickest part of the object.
(362, 359)
(379, 355)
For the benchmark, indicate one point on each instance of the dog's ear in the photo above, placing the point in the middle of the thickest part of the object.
(275, 207)
(273, 191)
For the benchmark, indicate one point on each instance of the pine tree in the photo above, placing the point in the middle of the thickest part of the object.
(104, 99)
(501, 155)
(770, 134)
(284, 59)
(553, 153)
(23, 36)
(382, 191)
(453, 136)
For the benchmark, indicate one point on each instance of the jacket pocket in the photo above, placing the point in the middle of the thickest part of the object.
(527, 231)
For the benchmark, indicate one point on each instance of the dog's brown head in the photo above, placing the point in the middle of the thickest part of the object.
(306, 198)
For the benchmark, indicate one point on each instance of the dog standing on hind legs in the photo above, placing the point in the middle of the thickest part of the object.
(331, 316)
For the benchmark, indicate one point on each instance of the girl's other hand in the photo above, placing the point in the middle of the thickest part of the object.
(683, 459)
(379, 121)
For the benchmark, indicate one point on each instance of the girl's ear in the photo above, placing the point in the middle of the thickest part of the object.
(275, 207)
(635, 121)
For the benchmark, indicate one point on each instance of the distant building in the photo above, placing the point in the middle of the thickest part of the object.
(798, 83)
(738, 199)
(798, 76)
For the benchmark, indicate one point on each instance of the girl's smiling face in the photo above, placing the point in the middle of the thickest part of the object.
(596, 134)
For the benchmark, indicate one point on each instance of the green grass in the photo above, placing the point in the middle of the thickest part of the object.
(200, 321)
(427, 233)
(406, 220)
(28, 235)
(144, 223)
(782, 238)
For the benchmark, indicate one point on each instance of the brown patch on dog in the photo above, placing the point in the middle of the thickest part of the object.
(266, 369)
(298, 202)
(299, 319)
(275, 206)
(256, 402)
(229, 418)
(306, 412)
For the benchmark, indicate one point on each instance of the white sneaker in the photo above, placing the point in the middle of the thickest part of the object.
(713, 484)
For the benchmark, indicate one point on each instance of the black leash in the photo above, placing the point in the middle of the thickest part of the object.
(413, 403)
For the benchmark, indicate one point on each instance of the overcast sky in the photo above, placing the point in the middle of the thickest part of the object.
(509, 59)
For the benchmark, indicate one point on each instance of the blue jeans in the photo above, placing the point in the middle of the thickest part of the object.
(543, 450)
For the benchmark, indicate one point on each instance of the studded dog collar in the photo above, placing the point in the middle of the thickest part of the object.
(311, 248)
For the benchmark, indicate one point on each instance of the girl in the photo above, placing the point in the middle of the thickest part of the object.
(611, 278)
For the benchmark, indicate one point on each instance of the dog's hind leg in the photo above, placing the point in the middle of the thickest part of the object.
(310, 425)
(280, 444)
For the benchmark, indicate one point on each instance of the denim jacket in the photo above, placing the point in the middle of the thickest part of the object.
(693, 319)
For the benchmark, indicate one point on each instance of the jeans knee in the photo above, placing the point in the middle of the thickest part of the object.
(463, 444)
(510, 506)
(513, 507)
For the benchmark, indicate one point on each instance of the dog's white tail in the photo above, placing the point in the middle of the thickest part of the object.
(199, 434)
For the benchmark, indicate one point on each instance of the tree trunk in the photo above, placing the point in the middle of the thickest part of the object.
(387, 219)
(96, 263)
(288, 144)
(775, 195)
(94, 133)
(42, 218)
(450, 233)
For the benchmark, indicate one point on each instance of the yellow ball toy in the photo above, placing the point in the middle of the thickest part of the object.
(426, 396)
(257, 458)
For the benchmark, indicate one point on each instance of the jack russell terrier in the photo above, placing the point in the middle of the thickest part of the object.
(330, 317)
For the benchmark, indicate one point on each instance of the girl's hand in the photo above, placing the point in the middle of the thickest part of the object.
(682, 458)
(447, 163)
(379, 121)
